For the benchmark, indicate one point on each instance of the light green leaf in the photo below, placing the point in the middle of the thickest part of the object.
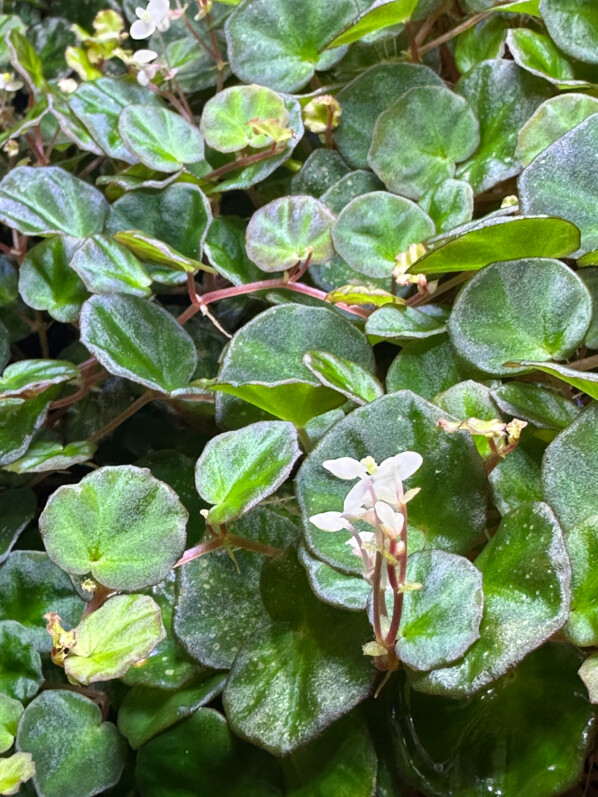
(495, 318)
(28, 378)
(122, 631)
(375, 228)
(382, 14)
(536, 52)
(70, 744)
(50, 201)
(119, 523)
(584, 381)
(404, 323)
(288, 231)
(161, 139)
(14, 771)
(138, 340)
(239, 469)
(484, 41)
(155, 251)
(449, 510)
(420, 138)
(536, 404)
(569, 482)
(25, 60)
(573, 25)
(481, 242)
(106, 267)
(45, 455)
(10, 714)
(345, 376)
(588, 672)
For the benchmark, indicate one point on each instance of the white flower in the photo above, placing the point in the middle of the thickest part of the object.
(392, 522)
(330, 521)
(382, 482)
(154, 17)
(67, 85)
(8, 82)
(142, 59)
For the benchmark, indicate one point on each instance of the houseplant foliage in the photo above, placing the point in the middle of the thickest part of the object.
(298, 421)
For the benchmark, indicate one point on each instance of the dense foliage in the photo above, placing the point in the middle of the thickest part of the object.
(298, 422)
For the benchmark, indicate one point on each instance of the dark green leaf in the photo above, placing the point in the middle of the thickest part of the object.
(536, 404)
(106, 267)
(427, 367)
(404, 323)
(20, 664)
(17, 508)
(573, 24)
(159, 138)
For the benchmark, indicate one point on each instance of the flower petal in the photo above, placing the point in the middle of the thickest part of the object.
(330, 521)
(407, 463)
(345, 468)
(141, 29)
(158, 9)
(144, 56)
(391, 520)
(357, 499)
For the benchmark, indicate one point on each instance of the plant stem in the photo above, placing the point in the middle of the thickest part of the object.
(251, 545)
(144, 399)
(377, 598)
(446, 37)
(586, 364)
(200, 550)
(247, 160)
(101, 594)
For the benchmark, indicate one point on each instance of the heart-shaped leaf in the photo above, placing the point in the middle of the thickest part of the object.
(239, 469)
(527, 576)
(70, 744)
(120, 524)
(493, 320)
(161, 139)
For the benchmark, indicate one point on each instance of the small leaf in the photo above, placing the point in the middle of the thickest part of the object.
(288, 231)
(573, 27)
(333, 586)
(106, 267)
(420, 138)
(405, 323)
(19, 421)
(20, 664)
(10, 714)
(427, 367)
(374, 229)
(17, 508)
(70, 744)
(120, 524)
(239, 469)
(363, 295)
(50, 201)
(584, 381)
(536, 404)
(382, 14)
(526, 575)
(25, 60)
(122, 631)
(45, 455)
(14, 771)
(161, 139)
(138, 340)
(342, 375)
(449, 205)
(28, 378)
(536, 52)
(495, 320)
(225, 249)
(517, 478)
(155, 251)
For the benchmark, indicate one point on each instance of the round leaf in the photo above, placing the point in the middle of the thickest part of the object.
(138, 340)
(450, 510)
(373, 229)
(449, 205)
(404, 323)
(418, 140)
(161, 139)
(496, 320)
(574, 27)
(332, 586)
(288, 231)
(70, 745)
(119, 523)
(426, 367)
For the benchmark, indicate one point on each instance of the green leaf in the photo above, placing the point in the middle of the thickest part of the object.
(449, 205)
(503, 97)
(363, 100)
(28, 378)
(25, 60)
(342, 761)
(120, 524)
(144, 712)
(449, 511)
(478, 244)
(588, 672)
(563, 182)
(322, 169)
(98, 105)
(363, 295)
(333, 586)
(19, 421)
(573, 26)
(349, 186)
(227, 118)
(527, 577)
(584, 381)
(308, 643)
(450, 748)
(550, 121)
(469, 399)
(212, 630)
(379, 16)
(17, 508)
(345, 376)
(404, 323)
(14, 771)
(536, 404)
(289, 231)
(239, 469)
(138, 340)
(420, 138)
(517, 478)
(484, 41)
(590, 279)
(31, 586)
(259, 51)
(8, 22)
(46, 455)
(374, 229)
(70, 745)
(495, 319)
(161, 139)
(441, 620)
(10, 714)
(46, 281)
(20, 664)
(263, 362)
(201, 752)
(426, 367)
(155, 251)
(106, 267)
(536, 52)
(108, 641)
(50, 201)
(569, 484)
(225, 249)
(9, 290)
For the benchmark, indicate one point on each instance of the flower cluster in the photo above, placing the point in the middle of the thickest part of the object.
(378, 500)
(156, 17)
